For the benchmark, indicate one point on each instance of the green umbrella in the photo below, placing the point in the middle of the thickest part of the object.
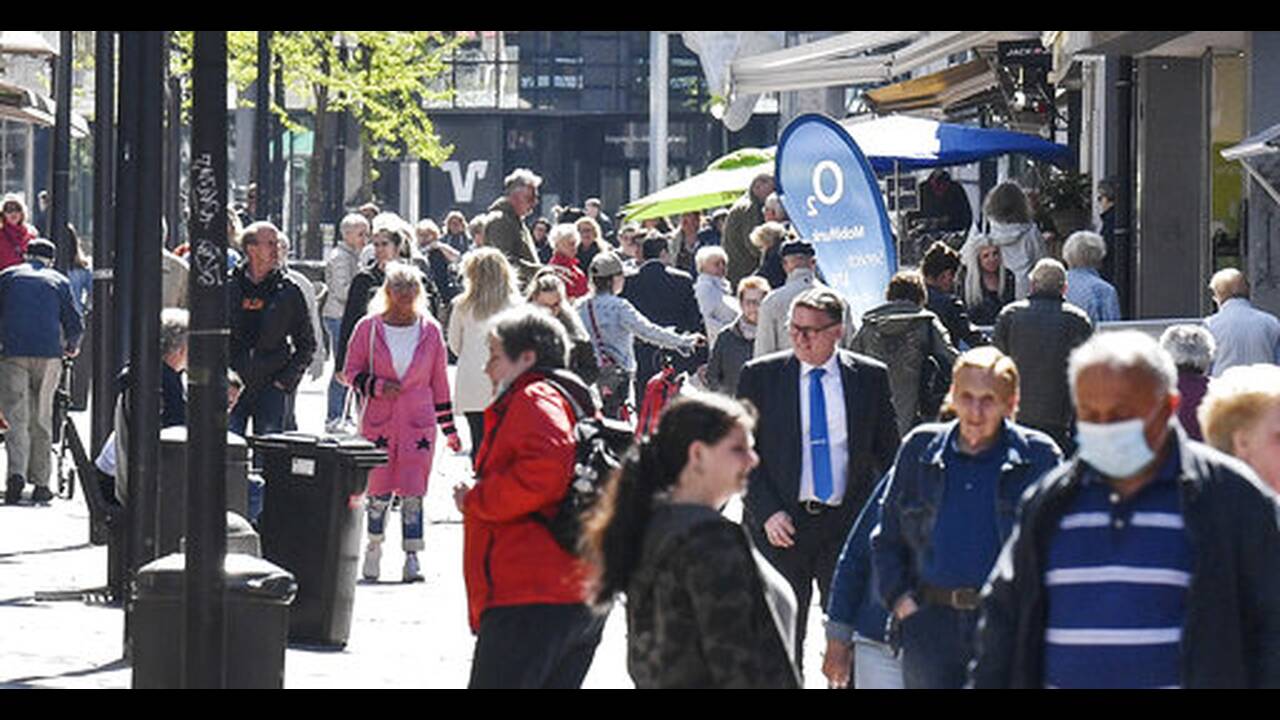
(723, 182)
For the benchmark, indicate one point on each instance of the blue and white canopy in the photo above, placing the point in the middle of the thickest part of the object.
(917, 143)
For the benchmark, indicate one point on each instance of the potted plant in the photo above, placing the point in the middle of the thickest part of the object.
(1065, 196)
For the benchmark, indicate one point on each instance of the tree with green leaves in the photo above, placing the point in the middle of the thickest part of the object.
(384, 82)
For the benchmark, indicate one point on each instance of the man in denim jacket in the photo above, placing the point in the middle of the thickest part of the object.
(948, 509)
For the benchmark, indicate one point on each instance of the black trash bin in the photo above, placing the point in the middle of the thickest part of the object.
(257, 622)
(171, 512)
(312, 522)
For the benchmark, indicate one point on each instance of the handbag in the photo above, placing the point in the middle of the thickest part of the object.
(614, 380)
(356, 402)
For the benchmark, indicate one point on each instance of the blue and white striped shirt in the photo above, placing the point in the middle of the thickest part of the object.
(1116, 582)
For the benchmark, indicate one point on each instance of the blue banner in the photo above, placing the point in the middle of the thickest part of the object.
(834, 202)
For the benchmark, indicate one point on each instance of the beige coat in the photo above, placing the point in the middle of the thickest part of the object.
(468, 339)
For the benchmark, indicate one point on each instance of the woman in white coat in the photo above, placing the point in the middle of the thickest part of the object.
(489, 287)
(1012, 229)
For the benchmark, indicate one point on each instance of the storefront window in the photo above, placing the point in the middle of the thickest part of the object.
(1226, 181)
(15, 151)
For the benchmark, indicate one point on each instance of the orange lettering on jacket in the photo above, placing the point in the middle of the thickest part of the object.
(252, 304)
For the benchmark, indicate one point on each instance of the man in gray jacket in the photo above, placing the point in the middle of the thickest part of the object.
(339, 268)
(1039, 333)
(801, 267)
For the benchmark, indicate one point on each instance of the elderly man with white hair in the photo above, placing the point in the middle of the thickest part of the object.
(1086, 289)
(1149, 561)
(1039, 333)
(715, 298)
(1245, 334)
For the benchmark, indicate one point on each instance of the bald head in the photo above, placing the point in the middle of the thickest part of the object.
(1227, 284)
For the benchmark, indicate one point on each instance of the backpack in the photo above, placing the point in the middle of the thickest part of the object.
(601, 443)
(658, 393)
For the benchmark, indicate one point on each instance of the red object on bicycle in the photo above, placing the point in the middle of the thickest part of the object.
(658, 392)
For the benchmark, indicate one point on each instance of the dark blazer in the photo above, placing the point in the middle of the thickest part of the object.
(772, 384)
(666, 297)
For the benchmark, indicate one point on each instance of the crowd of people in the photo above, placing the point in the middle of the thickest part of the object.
(985, 490)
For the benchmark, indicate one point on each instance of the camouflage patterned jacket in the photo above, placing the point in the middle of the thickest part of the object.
(705, 610)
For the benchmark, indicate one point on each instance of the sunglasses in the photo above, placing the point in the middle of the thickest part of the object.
(807, 332)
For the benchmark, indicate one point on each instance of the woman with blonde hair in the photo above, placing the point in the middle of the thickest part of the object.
(489, 287)
(1240, 415)
(986, 284)
(590, 240)
(547, 291)
(396, 362)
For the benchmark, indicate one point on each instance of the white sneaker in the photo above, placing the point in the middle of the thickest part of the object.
(332, 426)
(372, 559)
(412, 573)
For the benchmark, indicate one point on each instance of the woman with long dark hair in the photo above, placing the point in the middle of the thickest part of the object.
(704, 608)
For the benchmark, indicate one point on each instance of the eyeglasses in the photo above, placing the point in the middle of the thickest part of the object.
(382, 243)
(12, 209)
(808, 332)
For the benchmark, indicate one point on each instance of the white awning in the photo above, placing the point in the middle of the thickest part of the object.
(25, 42)
(826, 63)
(20, 103)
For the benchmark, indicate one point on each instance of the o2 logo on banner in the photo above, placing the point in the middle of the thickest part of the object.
(832, 197)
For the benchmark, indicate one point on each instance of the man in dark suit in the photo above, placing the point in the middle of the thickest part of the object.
(826, 433)
(666, 297)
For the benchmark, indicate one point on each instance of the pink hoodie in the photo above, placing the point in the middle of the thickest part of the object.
(406, 426)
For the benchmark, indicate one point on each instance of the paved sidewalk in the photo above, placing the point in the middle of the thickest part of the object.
(402, 636)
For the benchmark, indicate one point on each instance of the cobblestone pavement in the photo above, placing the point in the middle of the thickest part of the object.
(402, 636)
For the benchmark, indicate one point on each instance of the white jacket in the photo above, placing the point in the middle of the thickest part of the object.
(469, 340)
(717, 304)
(1020, 248)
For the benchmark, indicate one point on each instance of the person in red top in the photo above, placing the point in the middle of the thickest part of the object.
(526, 595)
(564, 258)
(15, 233)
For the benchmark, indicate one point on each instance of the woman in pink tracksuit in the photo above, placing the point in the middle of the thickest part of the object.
(396, 361)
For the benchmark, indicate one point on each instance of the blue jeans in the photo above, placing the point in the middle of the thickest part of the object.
(337, 391)
(410, 520)
(874, 666)
(937, 645)
(265, 406)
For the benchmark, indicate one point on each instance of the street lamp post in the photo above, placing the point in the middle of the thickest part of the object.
(261, 130)
(205, 616)
(59, 210)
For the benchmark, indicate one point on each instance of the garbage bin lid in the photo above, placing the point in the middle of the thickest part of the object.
(178, 434)
(292, 437)
(243, 574)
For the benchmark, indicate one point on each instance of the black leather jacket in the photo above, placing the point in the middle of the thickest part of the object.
(1231, 635)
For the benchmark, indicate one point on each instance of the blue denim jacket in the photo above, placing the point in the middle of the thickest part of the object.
(854, 605)
(916, 482)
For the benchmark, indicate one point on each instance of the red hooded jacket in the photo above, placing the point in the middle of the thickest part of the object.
(523, 466)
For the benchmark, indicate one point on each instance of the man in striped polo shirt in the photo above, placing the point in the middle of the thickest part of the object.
(1148, 561)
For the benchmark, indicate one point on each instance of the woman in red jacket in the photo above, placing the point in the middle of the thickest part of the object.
(526, 595)
(564, 244)
(15, 233)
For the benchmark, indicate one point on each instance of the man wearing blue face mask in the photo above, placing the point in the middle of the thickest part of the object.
(1150, 560)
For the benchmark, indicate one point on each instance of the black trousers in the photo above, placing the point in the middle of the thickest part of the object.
(937, 645)
(819, 540)
(475, 423)
(535, 646)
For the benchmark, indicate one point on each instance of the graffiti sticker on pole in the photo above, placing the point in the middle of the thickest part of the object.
(832, 197)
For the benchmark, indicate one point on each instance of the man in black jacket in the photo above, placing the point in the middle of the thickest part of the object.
(1148, 561)
(826, 433)
(939, 267)
(1039, 333)
(666, 297)
(272, 342)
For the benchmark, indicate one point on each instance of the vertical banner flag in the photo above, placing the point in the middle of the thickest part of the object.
(834, 202)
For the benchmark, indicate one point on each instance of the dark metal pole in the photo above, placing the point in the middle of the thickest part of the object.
(59, 210)
(340, 157)
(262, 127)
(173, 164)
(122, 318)
(144, 358)
(277, 155)
(207, 368)
(1126, 254)
(103, 332)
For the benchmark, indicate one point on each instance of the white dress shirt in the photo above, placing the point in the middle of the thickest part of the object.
(837, 431)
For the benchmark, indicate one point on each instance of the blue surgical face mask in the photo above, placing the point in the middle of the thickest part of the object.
(1117, 449)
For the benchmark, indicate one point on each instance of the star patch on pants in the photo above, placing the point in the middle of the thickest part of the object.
(424, 444)
(380, 442)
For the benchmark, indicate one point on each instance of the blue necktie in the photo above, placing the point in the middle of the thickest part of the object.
(818, 445)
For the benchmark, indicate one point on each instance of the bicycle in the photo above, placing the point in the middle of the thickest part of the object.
(72, 459)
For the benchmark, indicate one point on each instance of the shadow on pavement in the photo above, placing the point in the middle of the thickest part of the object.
(27, 682)
(45, 551)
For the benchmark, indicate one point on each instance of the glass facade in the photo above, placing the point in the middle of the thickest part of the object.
(15, 158)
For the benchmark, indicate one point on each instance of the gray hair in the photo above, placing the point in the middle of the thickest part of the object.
(174, 323)
(563, 231)
(766, 235)
(1124, 350)
(390, 222)
(821, 299)
(520, 177)
(1084, 249)
(353, 220)
(1189, 346)
(707, 254)
(526, 328)
(428, 225)
(774, 202)
(1048, 275)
